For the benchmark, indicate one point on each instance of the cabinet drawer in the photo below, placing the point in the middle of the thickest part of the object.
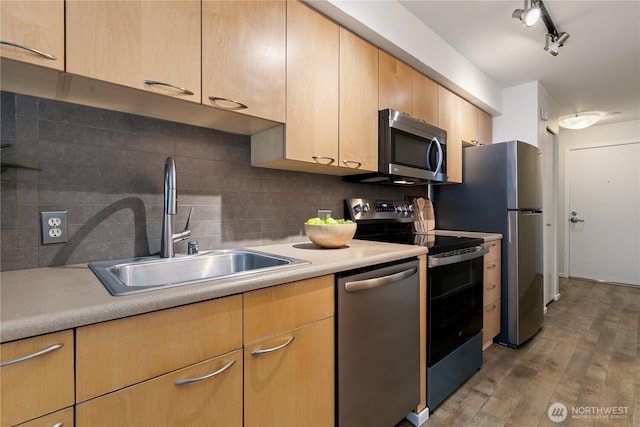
(280, 308)
(40, 384)
(491, 321)
(115, 354)
(494, 251)
(60, 418)
(491, 292)
(212, 401)
(492, 271)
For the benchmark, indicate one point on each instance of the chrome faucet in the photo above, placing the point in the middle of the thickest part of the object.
(170, 209)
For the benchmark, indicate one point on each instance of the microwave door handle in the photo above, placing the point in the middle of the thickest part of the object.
(440, 156)
(429, 154)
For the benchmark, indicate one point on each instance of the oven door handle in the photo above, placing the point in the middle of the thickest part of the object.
(442, 259)
(363, 285)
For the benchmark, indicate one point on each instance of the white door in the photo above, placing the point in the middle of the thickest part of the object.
(604, 213)
(550, 217)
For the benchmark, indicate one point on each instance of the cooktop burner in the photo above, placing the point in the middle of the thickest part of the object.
(392, 221)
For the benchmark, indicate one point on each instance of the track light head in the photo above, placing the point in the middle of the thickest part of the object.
(553, 42)
(530, 14)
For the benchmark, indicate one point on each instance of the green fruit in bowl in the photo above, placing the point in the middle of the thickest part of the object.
(328, 221)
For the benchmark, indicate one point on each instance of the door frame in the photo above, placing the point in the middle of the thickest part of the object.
(567, 173)
(551, 138)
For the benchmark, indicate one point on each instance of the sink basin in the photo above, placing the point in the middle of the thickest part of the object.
(122, 277)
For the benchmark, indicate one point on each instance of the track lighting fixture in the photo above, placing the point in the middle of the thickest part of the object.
(530, 14)
(534, 9)
(554, 41)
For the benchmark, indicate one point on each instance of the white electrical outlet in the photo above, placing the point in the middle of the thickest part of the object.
(54, 227)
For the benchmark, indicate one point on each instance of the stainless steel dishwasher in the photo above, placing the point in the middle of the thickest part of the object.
(377, 344)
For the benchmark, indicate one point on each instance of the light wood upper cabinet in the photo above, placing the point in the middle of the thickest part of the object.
(450, 115)
(128, 42)
(312, 86)
(424, 100)
(35, 25)
(358, 123)
(244, 56)
(40, 384)
(395, 85)
(476, 125)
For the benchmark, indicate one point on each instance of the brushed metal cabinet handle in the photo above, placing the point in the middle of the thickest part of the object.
(269, 350)
(491, 287)
(220, 102)
(157, 83)
(355, 162)
(204, 377)
(30, 49)
(57, 425)
(491, 266)
(331, 159)
(490, 309)
(33, 355)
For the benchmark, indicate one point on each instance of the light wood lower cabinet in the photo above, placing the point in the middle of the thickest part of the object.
(491, 299)
(292, 384)
(116, 354)
(289, 354)
(36, 377)
(206, 394)
(63, 418)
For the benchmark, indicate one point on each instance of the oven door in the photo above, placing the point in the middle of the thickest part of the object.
(454, 313)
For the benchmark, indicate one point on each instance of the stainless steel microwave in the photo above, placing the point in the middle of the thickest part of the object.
(410, 151)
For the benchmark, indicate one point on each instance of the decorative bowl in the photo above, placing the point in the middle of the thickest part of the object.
(330, 236)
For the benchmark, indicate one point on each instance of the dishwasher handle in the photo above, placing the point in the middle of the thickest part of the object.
(363, 285)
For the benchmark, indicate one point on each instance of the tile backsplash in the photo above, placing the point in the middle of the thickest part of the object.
(106, 169)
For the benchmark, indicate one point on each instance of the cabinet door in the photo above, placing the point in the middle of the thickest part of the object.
(292, 383)
(312, 86)
(485, 127)
(395, 85)
(118, 353)
(129, 42)
(450, 119)
(358, 103)
(491, 321)
(243, 56)
(35, 25)
(212, 397)
(39, 384)
(424, 101)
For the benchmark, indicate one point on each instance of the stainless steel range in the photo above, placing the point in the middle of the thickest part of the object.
(454, 291)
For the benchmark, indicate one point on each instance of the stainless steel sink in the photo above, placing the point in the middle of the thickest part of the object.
(127, 276)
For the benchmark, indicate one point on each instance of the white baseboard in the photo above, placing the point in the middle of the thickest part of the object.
(418, 419)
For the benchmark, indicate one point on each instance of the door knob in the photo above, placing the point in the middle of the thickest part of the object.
(574, 219)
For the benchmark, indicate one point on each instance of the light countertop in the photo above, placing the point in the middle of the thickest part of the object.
(49, 299)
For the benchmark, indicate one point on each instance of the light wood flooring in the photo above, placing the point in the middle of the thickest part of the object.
(587, 357)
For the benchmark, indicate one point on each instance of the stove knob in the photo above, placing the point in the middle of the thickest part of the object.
(365, 207)
(357, 208)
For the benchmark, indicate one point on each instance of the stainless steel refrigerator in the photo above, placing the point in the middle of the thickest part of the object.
(502, 193)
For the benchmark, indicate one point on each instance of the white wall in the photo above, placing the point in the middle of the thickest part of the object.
(593, 136)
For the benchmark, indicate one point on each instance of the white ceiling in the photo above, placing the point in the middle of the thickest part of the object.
(598, 68)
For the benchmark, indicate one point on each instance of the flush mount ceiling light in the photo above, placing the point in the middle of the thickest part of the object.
(530, 14)
(581, 120)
